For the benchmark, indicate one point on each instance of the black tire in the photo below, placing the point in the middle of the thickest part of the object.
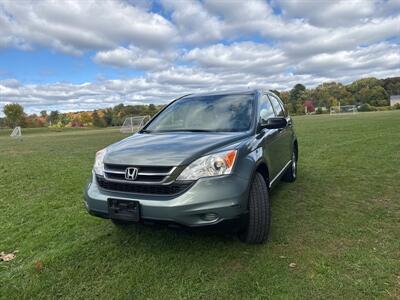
(291, 173)
(120, 223)
(259, 219)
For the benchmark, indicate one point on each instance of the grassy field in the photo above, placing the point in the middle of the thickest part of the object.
(339, 222)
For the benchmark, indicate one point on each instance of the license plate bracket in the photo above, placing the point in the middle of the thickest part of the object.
(125, 210)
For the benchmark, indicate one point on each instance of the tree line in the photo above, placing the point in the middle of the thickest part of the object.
(114, 116)
(368, 94)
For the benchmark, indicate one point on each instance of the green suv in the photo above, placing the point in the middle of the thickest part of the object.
(204, 160)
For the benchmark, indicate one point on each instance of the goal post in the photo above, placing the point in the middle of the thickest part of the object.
(133, 124)
(16, 133)
(343, 109)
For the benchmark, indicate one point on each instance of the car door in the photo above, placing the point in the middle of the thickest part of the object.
(284, 136)
(270, 137)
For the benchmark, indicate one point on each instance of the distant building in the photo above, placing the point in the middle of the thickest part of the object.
(395, 99)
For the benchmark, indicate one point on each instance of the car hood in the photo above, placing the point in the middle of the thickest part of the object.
(167, 149)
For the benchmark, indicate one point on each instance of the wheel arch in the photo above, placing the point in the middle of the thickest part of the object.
(262, 168)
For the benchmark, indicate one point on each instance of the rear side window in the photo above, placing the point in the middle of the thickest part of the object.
(277, 106)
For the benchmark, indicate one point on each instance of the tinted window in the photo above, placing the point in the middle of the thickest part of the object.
(277, 106)
(265, 108)
(206, 113)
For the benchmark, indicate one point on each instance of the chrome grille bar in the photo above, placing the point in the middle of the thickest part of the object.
(146, 174)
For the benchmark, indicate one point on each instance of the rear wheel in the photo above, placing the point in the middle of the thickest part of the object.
(259, 219)
(291, 173)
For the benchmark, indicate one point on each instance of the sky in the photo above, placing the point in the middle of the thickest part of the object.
(83, 55)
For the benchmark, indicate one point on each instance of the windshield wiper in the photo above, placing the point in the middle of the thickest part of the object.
(186, 130)
(146, 131)
(198, 130)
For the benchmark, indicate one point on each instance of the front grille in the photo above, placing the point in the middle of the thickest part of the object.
(151, 189)
(148, 169)
(149, 174)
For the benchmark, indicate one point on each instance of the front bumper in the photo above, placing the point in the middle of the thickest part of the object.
(225, 196)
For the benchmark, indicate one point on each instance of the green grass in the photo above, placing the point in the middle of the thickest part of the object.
(5, 132)
(339, 222)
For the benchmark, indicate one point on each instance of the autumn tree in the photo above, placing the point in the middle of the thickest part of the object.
(97, 121)
(53, 117)
(375, 96)
(15, 115)
(392, 85)
(330, 94)
(107, 117)
(118, 114)
(360, 84)
(85, 118)
(297, 97)
(152, 110)
(43, 114)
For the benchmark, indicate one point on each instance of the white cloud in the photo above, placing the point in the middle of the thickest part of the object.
(136, 58)
(240, 10)
(191, 46)
(375, 58)
(328, 13)
(337, 13)
(241, 18)
(343, 38)
(76, 26)
(163, 86)
(246, 57)
(194, 23)
(299, 35)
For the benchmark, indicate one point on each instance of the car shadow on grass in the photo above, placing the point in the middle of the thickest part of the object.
(171, 235)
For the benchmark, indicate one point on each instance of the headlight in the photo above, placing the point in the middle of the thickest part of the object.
(98, 167)
(211, 165)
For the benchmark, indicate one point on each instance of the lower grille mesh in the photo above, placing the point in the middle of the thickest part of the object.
(170, 189)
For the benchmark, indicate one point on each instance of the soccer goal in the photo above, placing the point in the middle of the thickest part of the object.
(343, 109)
(16, 133)
(133, 124)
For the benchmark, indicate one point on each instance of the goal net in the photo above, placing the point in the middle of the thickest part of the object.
(133, 124)
(343, 109)
(16, 132)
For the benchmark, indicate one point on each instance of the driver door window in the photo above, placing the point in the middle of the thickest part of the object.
(271, 137)
(277, 107)
(265, 108)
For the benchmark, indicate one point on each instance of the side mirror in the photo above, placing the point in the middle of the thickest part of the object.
(273, 123)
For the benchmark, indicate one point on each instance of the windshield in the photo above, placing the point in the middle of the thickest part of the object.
(229, 113)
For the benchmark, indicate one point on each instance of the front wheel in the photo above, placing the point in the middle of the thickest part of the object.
(291, 173)
(259, 219)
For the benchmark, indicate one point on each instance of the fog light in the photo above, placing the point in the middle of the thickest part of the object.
(210, 217)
